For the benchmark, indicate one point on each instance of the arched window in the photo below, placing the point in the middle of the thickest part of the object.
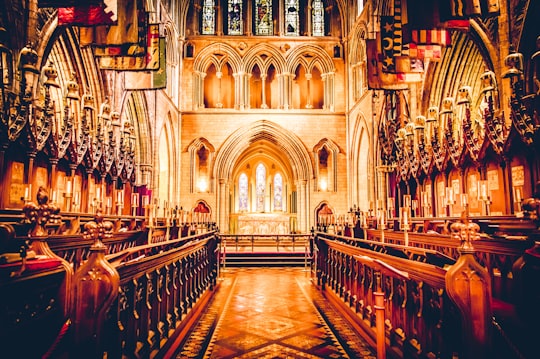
(208, 18)
(278, 192)
(263, 17)
(260, 186)
(235, 24)
(292, 19)
(243, 192)
(318, 18)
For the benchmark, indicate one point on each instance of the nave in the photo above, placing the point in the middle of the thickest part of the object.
(270, 312)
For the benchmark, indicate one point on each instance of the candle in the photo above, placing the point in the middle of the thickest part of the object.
(135, 199)
(27, 192)
(407, 200)
(464, 200)
(405, 217)
(482, 190)
(68, 187)
(449, 195)
(518, 194)
(98, 193)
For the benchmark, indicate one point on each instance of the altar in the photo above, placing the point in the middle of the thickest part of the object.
(263, 223)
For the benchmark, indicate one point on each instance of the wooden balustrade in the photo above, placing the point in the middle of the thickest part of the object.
(160, 285)
(430, 295)
(421, 321)
(503, 240)
(294, 241)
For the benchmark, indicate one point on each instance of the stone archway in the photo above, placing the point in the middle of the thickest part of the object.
(259, 140)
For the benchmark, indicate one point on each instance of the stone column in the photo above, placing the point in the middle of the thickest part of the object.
(286, 90)
(302, 205)
(198, 90)
(328, 82)
(223, 195)
(308, 80)
(219, 75)
(263, 90)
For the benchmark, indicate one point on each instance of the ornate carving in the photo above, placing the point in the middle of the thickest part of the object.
(95, 287)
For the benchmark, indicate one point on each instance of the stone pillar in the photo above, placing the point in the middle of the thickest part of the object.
(302, 206)
(308, 102)
(263, 90)
(223, 200)
(219, 75)
(328, 82)
(286, 88)
(198, 90)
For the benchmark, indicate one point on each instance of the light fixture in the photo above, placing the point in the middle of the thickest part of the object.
(202, 184)
(323, 185)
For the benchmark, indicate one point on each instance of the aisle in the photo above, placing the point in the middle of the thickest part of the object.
(271, 313)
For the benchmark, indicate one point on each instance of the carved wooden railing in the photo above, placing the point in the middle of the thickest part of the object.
(48, 309)
(496, 253)
(420, 319)
(160, 285)
(296, 242)
(501, 259)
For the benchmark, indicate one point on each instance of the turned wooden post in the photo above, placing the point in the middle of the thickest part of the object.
(468, 285)
(95, 287)
(381, 268)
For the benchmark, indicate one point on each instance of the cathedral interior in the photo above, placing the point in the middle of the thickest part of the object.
(394, 145)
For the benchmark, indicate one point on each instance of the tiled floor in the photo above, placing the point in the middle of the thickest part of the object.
(271, 313)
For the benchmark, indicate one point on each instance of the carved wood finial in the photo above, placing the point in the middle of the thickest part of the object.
(38, 215)
(466, 232)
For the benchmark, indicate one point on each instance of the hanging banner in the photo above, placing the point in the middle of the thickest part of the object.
(104, 13)
(66, 3)
(124, 34)
(380, 80)
(146, 58)
(149, 80)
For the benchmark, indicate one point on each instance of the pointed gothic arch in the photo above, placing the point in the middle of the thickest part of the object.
(292, 150)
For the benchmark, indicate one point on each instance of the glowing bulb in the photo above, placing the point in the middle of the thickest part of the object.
(323, 185)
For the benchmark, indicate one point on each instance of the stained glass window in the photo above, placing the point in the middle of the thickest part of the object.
(208, 18)
(260, 187)
(263, 17)
(318, 18)
(235, 26)
(243, 192)
(278, 192)
(292, 19)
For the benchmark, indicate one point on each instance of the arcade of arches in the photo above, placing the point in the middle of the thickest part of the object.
(362, 117)
(294, 94)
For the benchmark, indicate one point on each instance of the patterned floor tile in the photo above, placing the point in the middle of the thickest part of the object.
(271, 313)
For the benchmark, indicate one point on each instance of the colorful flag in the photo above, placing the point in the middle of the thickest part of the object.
(106, 13)
(391, 35)
(66, 3)
(146, 57)
(125, 33)
(380, 80)
(149, 80)
(431, 37)
(432, 52)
